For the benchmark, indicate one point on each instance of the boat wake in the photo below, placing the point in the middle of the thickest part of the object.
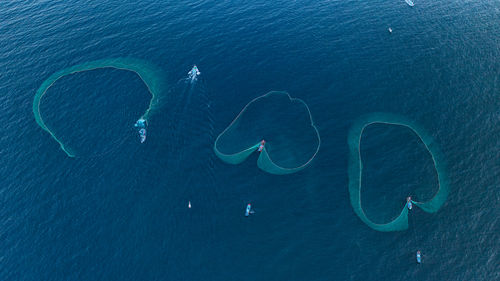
(410, 3)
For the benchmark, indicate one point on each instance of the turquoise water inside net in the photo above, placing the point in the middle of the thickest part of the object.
(284, 123)
(355, 170)
(153, 78)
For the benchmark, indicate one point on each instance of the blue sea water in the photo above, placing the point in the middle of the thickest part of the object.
(120, 211)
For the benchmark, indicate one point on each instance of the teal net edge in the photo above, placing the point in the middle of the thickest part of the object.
(355, 169)
(265, 161)
(152, 77)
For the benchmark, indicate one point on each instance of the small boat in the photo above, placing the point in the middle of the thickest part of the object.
(410, 3)
(141, 123)
(194, 72)
(408, 203)
(189, 204)
(419, 257)
(261, 146)
(142, 135)
(390, 30)
(248, 211)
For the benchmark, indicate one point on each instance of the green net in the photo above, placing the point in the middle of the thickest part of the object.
(152, 77)
(284, 123)
(356, 167)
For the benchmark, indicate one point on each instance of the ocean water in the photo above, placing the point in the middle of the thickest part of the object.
(119, 212)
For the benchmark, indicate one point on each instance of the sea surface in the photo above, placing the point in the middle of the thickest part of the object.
(119, 210)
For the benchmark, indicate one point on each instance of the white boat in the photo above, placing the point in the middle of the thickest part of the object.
(141, 123)
(194, 72)
(249, 210)
(142, 135)
(410, 3)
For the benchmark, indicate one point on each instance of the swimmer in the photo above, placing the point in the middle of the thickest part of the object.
(419, 257)
(408, 203)
(261, 146)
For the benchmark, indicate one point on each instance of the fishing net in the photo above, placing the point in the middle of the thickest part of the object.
(152, 77)
(356, 166)
(284, 123)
